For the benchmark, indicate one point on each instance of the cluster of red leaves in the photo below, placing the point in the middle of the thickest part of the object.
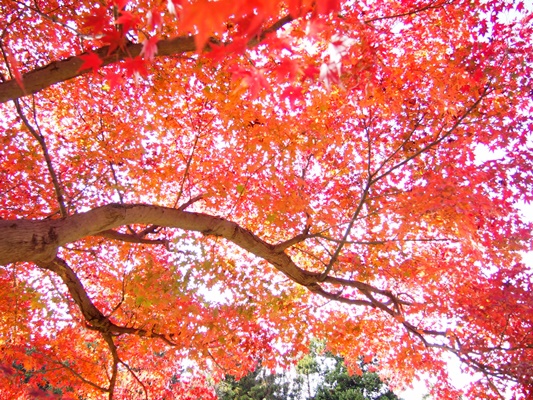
(357, 124)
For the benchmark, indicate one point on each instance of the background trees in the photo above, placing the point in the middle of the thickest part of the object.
(209, 183)
(318, 376)
(258, 384)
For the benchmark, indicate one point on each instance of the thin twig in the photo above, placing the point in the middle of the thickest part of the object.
(136, 378)
(187, 167)
(113, 172)
(121, 198)
(113, 348)
(435, 142)
(124, 237)
(40, 139)
(75, 373)
(190, 202)
(407, 13)
(380, 242)
(295, 240)
(342, 243)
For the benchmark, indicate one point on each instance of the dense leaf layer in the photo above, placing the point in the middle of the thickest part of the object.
(319, 169)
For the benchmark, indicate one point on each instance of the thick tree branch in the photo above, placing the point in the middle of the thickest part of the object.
(38, 241)
(91, 314)
(64, 70)
(95, 319)
(48, 235)
(41, 239)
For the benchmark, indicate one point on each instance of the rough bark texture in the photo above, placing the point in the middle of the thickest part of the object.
(63, 70)
(38, 241)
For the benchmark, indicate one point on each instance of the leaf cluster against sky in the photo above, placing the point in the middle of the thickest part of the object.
(313, 164)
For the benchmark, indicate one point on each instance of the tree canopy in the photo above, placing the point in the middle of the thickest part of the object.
(190, 187)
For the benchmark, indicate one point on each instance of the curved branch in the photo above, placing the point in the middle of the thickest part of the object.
(282, 246)
(38, 241)
(69, 68)
(76, 289)
(191, 201)
(341, 299)
(75, 373)
(42, 238)
(366, 289)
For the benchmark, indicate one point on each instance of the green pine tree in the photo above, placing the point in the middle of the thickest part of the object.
(337, 384)
(319, 375)
(259, 385)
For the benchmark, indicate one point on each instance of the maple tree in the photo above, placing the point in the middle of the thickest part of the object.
(199, 185)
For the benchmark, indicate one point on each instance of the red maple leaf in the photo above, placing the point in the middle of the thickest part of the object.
(14, 69)
(114, 78)
(324, 7)
(115, 39)
(253, 79)
(98, 22)
(287, 67)
(149, 48)
(154, 19)
(206, 18)
(127, 20)
(135, 66)
(90, 61)
(120, 3)
(219, 52)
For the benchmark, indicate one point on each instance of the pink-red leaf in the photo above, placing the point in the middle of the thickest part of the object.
(90, 61)
(14, 67)
(149, 48)
(135, 66)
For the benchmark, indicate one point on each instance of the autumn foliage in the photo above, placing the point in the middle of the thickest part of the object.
(193, 186)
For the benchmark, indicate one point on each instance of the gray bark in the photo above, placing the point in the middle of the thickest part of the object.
(39, 240)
